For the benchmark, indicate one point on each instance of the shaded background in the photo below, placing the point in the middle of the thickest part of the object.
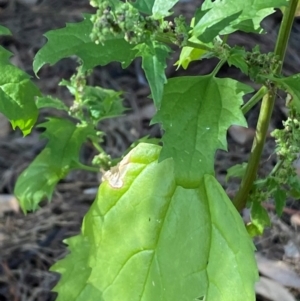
(30, 244)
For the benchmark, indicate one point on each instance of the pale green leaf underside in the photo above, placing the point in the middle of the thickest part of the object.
(74, 39)
(195, 113)
(60, 155)
(17, 93)
(151, 239)
(252, 13)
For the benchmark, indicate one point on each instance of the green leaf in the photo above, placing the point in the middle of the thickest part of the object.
(280, 199)
(4, 31)
(60, 155)
(189, 54)
(150, 239)
(237, 58)
(195, 114)
(161, 8)
(252, 12)
(211, 32)
(102, 103)
(154, 57)
(291, 85)
(75, 275)
(17, 93)
(294, 183)
(259, 217)
(50, 102)
(74, 39)
(144, 6)
(236, 171)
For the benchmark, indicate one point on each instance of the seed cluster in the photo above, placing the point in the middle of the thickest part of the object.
(126, 21)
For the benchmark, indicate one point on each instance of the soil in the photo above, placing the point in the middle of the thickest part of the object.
(30, 244)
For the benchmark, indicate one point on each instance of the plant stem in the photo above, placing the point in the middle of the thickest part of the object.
(218, 67)
(266, 110)
(88, 168)
(254, 99)
(199, 46)
(276, 168)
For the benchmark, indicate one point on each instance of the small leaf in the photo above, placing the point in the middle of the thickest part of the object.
(291, 85)
(236, 171)
(154, 57)
(17, 93)
(50, 102)
(237, 59)
(60, 155)
(189, 54)
(161, 8)
(4, 31)
(195, 114)
(280, 199)
(259, 217)
(294, 183)
(74, 39)
(150, 239)
(102, 103)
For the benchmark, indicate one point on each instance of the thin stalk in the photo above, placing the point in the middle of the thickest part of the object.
(88, 168)
(199, 46)
(254, 99)
(218, 67)
(276, 167)
(266, 110)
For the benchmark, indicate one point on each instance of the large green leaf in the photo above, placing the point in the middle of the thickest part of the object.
(243, 15)
(17, 93)
(74, 39)
(154, 57)
(74, 274)
(151, 239)
(195, 114)
(60, 155)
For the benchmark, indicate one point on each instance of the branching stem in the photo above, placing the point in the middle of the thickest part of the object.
(266, 110)
(254, 99)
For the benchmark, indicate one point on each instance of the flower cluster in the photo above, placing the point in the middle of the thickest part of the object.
(126, 21)
(288, 146)
(261, 64)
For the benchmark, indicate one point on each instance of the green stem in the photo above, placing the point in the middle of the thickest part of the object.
(199, 46)
(98, 147)
(218, 67)
(254, 99)
(266, 110)
(276, 167)
(88, 168)
(168, 39)
(264, 118)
